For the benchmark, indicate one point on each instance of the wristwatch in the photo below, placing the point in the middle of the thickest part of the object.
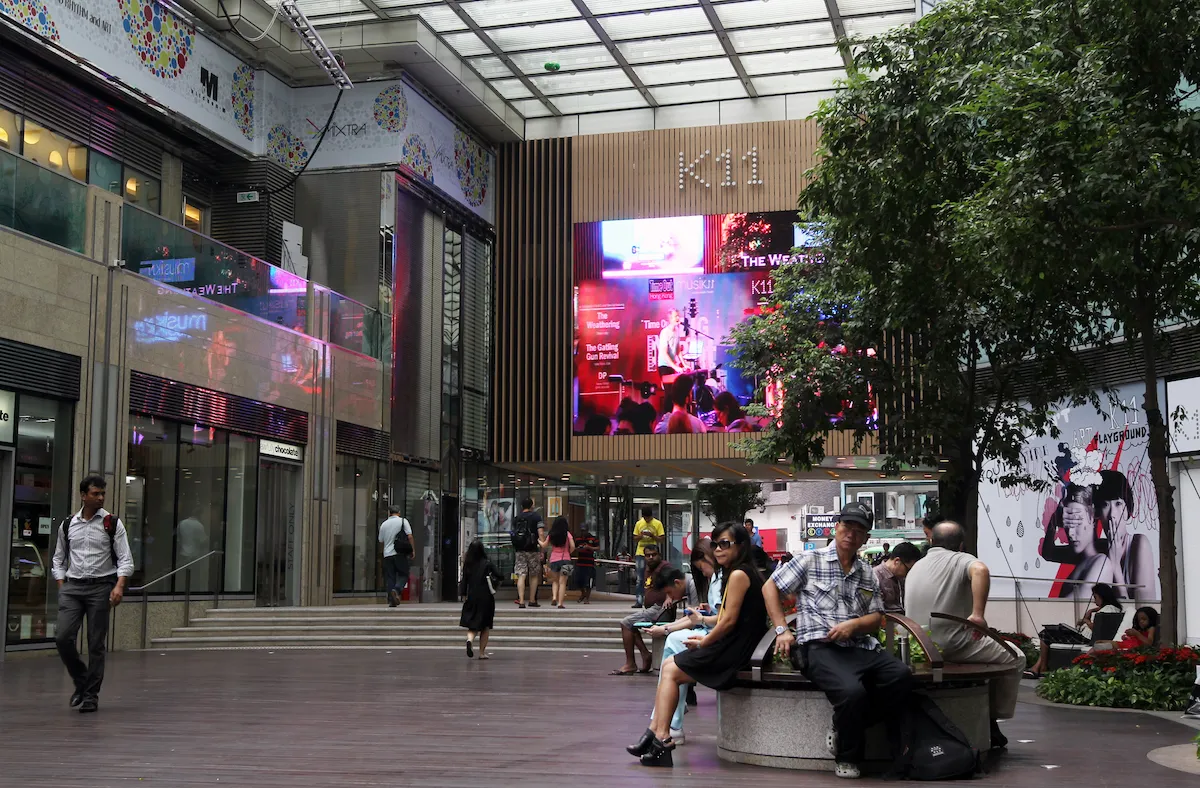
(780, 630)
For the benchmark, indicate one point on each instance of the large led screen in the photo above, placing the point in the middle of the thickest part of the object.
(653, 247)
(637, 339)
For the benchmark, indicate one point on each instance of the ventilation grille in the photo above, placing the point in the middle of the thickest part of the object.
(38, 370)
(170, 399)
(362, 441)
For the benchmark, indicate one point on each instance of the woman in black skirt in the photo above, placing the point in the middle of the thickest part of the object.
(714, 659)
(479, 610)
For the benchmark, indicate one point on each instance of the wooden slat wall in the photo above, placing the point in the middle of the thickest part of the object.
(709, 446)
(634, 175)
(534, 312)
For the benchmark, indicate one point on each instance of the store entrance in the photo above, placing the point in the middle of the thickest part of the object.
(277, 571)
(19, 559)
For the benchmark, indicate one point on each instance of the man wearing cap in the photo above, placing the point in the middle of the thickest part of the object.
(840, 610)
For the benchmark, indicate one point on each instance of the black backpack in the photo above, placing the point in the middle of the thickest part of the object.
(110, 528)
(932, 747)
(525, 532)
(400, 544)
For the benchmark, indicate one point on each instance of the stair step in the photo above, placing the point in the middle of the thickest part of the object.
(448, 640)
(609, 631)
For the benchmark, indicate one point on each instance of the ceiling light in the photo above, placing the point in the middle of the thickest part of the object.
(32, 136)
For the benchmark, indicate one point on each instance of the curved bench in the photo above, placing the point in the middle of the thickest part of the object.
(774, 716)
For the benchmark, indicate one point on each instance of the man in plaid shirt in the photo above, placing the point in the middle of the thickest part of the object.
(840, 610)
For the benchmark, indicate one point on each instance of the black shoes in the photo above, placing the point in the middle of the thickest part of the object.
(88, 705)
(534, 604)
(636, 605)
(691, 696)
(999, 740)
(76, 698)
(652, 752)
(470, 649)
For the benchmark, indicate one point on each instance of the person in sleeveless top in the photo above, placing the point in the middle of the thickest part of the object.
(479, 609)
(715, 658)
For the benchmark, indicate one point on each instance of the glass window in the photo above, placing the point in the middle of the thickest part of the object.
(201, 503)
(10, 131)
(41, 500)
(141, 190)
(360, 506)
(54, 151)
(104, 172)
(150, 497)
(194, 214)
(241, 514)
(343, 524)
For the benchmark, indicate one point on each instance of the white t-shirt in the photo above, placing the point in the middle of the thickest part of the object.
(668, 346)
(387, 533)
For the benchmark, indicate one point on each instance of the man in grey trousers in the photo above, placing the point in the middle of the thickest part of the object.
(92, 564)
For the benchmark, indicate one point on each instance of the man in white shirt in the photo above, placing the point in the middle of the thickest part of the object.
(92, 563)
(395, 565)
(669, 361)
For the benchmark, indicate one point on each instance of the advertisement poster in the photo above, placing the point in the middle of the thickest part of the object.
(1096, 521)
(635, 335)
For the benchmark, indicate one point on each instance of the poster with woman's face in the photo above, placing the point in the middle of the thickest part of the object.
(1095, 521)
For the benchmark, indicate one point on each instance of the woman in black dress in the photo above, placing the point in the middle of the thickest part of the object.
(479, 609)
(714, 659)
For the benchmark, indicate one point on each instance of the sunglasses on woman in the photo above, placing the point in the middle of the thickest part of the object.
(725, 544)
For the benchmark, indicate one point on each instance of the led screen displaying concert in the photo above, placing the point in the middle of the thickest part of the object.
(654, 305)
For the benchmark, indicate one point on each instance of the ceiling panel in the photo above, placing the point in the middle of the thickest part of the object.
(491, 67)
(512, 89)
(467, 44)
(440, 18)
(582, 81)
(600, 102)
(704, 91)
(686, 71)
(755, 13)
(568, 59)
(621, 6)
(313, 8)
(797, 83)
(504, 13)
(341, 19)
(784, 37)
(867, 26)
(655, 23)
(537, 36)
(859, 7)
(531, 108)
(779, 62)
(658, 50)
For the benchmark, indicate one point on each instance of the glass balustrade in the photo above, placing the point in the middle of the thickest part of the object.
(41, 203)
(354, 326)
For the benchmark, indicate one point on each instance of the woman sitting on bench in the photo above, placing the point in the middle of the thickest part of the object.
(1104, 600)
(714, 659)
(697, 623)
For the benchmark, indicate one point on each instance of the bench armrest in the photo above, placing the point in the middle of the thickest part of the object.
(765, 650)
(1007, 644)
(932, 653)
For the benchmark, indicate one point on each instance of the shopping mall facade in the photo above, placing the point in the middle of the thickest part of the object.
(441, 310)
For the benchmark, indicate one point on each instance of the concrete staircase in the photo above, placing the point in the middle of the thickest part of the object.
(591, 628)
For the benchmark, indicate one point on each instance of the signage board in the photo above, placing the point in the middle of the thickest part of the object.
(819, 526)
(8, 416)
(247, 197)
(1183, 409)
(280, 451)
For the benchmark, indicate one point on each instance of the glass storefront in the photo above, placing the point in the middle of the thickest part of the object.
(360, 505)
(41, 499)
(191, 489)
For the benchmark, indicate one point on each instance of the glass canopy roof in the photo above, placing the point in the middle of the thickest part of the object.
(553, 57)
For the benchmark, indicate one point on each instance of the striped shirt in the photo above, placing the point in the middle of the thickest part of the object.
(826, 596)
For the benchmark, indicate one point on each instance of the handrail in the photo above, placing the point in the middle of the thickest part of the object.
(1066, 580)
(175, 571)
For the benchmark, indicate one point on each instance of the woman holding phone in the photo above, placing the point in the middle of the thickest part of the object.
(696, 622)
(714, 658)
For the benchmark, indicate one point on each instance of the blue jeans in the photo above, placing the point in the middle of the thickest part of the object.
(675, 645)
(640, 591)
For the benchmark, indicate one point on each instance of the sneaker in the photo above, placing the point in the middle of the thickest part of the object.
(1193, 711)
(678, 737)
(847, 771)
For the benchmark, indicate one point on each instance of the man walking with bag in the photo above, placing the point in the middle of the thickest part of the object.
(395, 534)
(92, 563)
(528, 530)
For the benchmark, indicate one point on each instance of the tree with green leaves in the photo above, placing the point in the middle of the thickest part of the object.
(908, 312)
(729, 501)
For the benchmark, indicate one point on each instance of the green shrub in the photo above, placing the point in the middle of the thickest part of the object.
(1153, 679)
(1026, 644)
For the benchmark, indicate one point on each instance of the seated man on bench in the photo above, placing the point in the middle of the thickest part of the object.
(948, 580)
(840, 610)
(656, 598)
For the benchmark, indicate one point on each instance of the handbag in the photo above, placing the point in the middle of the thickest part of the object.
(566, 569)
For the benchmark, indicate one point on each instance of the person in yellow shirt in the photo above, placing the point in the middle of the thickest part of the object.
(647, 532)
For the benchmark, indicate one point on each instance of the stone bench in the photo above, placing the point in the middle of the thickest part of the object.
(774, 716)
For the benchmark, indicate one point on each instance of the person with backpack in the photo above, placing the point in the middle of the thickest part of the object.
(840, 610)
(395, 534)
(528, 532)
(92, 563)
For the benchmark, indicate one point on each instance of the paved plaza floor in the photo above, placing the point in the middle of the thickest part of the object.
(421, 717)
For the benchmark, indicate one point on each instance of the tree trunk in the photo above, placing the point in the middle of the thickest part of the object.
(1163, 490)
(958, 491)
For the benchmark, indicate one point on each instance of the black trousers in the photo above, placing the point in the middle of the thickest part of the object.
(395, 573)
(75, 602)
(865, 687)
